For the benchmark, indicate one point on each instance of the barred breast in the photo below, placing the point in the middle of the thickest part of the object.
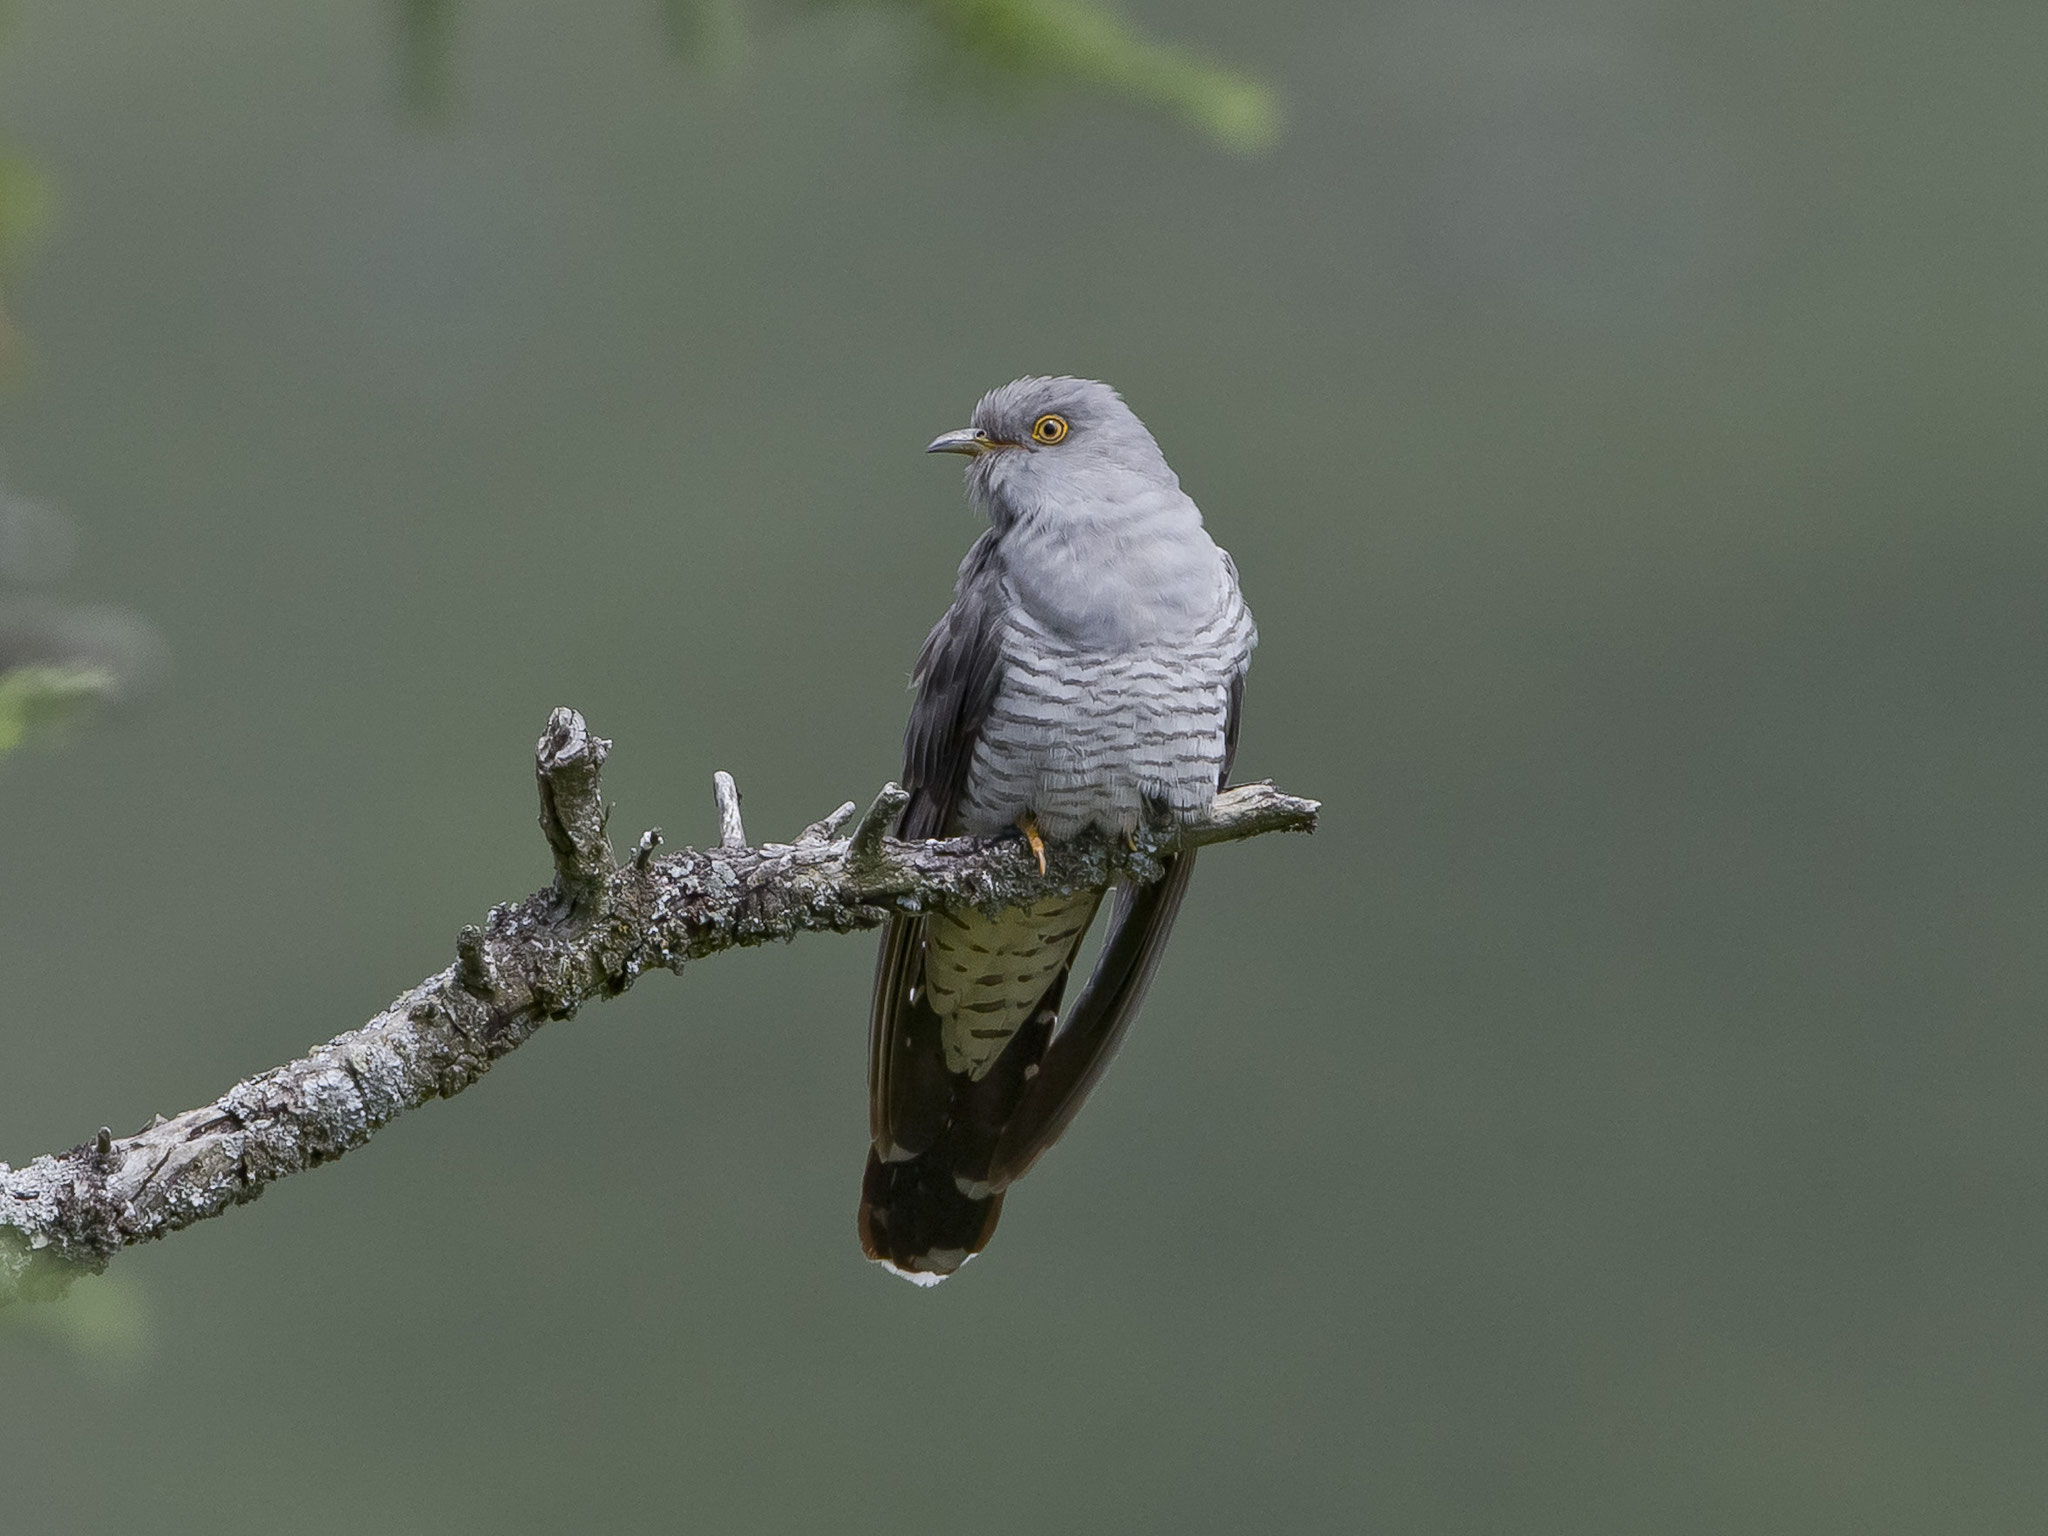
(1080, 737)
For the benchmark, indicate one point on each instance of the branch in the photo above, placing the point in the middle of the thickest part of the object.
(589, 935)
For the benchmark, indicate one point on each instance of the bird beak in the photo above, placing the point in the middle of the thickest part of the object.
(971, 441)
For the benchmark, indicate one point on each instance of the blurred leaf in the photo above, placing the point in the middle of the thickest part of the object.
(1077, 40)
(426, 57)
(102, 1318)
(24, 207)
(705, 32)
(24, 213)
(39, 697)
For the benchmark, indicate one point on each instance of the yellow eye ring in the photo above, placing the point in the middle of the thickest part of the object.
(1049, 428)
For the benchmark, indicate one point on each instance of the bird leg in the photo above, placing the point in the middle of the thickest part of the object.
(1028, 825)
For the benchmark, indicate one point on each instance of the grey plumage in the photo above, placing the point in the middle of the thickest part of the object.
(1089, 671)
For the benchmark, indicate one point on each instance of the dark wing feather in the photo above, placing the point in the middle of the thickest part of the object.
(956, 678)
(1231, 722)
(1079, 1054)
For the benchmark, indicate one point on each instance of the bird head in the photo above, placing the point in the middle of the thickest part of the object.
(1037, 446)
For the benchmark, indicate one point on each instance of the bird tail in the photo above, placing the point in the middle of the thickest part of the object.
(917, 1219)
(926, 1212)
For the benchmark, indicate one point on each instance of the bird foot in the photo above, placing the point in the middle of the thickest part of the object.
(1028, 825)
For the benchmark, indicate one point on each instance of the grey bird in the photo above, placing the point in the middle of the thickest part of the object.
(1090, 674)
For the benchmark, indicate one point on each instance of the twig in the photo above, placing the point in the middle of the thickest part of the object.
(865, 847)
(590, 935)
(567, 762)
(732, 832)
(825, 830)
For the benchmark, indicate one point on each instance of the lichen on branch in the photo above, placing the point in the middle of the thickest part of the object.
(589, 935)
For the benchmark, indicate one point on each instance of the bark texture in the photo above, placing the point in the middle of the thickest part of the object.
(590, 934)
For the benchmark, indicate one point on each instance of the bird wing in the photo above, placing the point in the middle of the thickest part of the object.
(956, 677)
(1140, 921)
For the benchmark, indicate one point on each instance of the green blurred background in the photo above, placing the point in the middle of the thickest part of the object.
(1625, 1114)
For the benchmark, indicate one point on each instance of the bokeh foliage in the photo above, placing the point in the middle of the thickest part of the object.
(40, 697)
(24, 207)
(1073, 42)
(24, 195)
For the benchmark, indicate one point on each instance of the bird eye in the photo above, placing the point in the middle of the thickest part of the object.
(1049, 428)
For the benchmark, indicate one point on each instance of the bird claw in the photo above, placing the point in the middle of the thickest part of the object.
(1028, 825)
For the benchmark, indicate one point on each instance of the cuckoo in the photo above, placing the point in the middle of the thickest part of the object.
(1089, 674)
